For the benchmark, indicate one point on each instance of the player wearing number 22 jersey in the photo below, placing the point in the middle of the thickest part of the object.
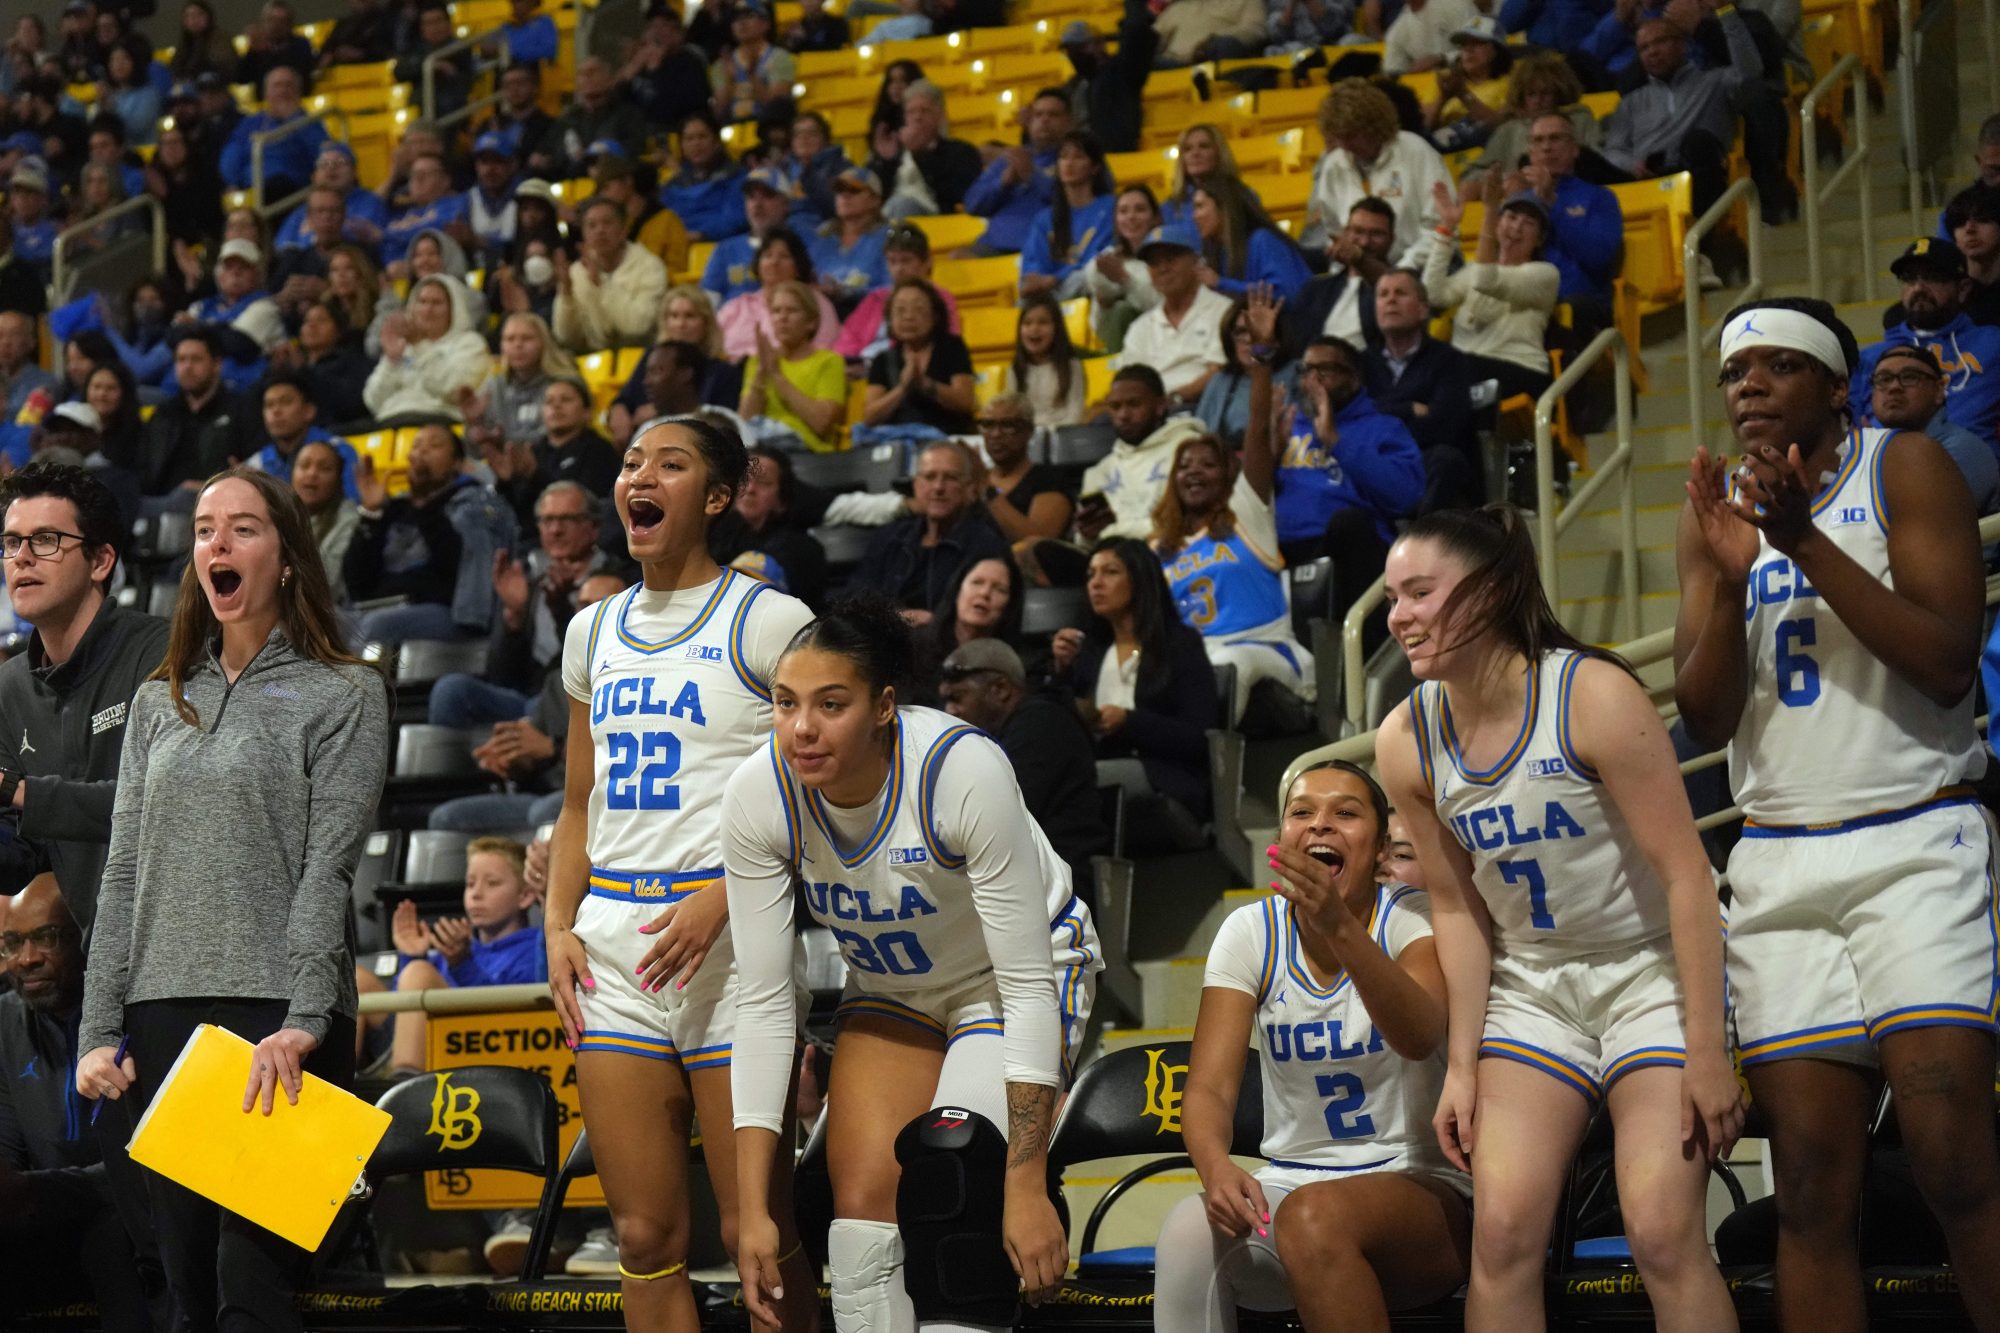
(678, 685)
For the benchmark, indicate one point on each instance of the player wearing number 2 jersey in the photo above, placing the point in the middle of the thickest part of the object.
(670, 680)
(1356, 1211)
(1576, 920)
(970, 967)
(1828, 635)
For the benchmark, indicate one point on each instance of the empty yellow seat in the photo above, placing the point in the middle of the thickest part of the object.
(989, 331)
(949, 231)
(978, 282)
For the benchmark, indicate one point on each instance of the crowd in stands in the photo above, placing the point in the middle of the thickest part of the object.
(1265, 396)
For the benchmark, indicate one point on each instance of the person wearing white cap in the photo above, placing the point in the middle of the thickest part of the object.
(1831, 599)
(1420, 37)
(240, 300)
(28, 204)
(1472, 88)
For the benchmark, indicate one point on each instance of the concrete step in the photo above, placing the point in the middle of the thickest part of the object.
(1173, 986)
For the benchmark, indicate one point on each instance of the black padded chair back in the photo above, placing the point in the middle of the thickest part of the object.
(850, 470)
(1046, 610)
(1078, 447)
(1312, 596)
(1128, 1104)
(479, 1117)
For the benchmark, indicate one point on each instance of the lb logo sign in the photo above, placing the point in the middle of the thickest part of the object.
(454, 1115)
(1163, 1091)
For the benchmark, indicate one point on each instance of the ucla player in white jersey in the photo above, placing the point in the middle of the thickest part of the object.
(1219, 549)
(1576, 915)
(1357, 1212)
(670, 681)
(1831, 594)
(970, 971)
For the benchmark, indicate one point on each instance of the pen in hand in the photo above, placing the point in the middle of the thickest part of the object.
(116, 1060)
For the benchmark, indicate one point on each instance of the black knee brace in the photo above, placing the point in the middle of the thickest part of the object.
(950, 1204)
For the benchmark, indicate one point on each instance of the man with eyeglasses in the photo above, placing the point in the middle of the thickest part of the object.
(1909, 395)
(1586, 238)
(1935, 287)
(61, 1231)
(1026, 500)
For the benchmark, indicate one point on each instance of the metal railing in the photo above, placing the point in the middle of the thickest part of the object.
(1906, 108)
(1641, 653)
(59, 274)
(265, 138)
(1550, 525)
(468, 43)
(1990, 12)
(1817, 193)
(1700, 335)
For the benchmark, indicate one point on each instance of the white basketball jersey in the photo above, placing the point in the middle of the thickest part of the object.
(1336, 1097)
(895, 897)
(1829, 731)
(679, 691)
(1555, 862)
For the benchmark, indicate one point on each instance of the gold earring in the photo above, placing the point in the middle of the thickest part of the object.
(285, 579)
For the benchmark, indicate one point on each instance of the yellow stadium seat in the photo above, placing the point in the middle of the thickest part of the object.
(825, 93)
(1600, 105)
(926, 51)
(697, 259)
(372, 137)
(980, 282)
(986, 381)
(1285, 193)
(1424, 83)
(1168, 85)
(1657, 216)
(988, 331)
(1076, 318)
(1819, 37)
(850, 122)
(949, 231)
(628, 359)
(1041, 68)
(371, 75)
(1853, 30)
(1286, 108)
(1097, 373)
(1292, 155)
(1258, 154)
(575, 190)
(821, 64)
(975, 42)
(1148, 166)
(956, 82)
(600, 375)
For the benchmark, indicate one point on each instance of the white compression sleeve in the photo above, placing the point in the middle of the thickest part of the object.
(755, 857)
(981, 817)
(865, 1262)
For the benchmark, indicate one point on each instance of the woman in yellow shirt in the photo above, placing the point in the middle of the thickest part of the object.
(807, 394)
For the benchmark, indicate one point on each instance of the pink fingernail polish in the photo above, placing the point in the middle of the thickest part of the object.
(590, 983)
(1262, 1232)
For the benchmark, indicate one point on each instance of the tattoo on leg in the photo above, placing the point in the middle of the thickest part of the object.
(1926, 1078)
(1029, 1109)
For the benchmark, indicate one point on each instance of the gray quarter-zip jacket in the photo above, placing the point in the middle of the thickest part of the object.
(233, 842)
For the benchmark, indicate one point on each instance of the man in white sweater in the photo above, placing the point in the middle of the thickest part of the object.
(610, 296)
(1192, 31)
(1420, 38)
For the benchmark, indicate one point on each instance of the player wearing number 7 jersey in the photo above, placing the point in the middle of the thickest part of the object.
(1828, 634)
(670, 680)
(1576, 921)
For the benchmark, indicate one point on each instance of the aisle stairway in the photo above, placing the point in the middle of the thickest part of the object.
(1170, 962)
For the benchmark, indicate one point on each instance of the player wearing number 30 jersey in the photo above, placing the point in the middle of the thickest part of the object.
(1576, 918)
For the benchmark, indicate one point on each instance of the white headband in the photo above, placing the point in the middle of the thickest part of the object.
(1773, 326)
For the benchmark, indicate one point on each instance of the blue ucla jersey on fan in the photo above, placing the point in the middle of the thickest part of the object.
(1233, 586)
(899, 901)
(1337, 1098)
(1829, 731)
(670, 719)
(1555, 861)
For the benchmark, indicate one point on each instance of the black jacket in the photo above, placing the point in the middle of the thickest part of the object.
(1109, 94)
(1173, 711)
(182, 444)
(1439, 377)
(915, 577)
(949, 167)
(63, 728)
(44, 1124)
(1304, 316)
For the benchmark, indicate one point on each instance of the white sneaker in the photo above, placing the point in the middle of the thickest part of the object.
(596, 1257)
(507, 1248)
(1705, 275)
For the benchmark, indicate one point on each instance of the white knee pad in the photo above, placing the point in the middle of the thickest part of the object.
(865, 1260)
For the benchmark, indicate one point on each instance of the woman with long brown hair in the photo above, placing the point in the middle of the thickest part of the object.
(253, 763)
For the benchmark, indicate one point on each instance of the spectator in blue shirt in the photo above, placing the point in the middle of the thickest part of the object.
(1909, 394)
(1240, 246)
(1586, 240)
(848, 251)
(35, 230)
(1339, 472)
(127, 92)
(494, 944)
(288, 162)
(107, 146)
(707, 193)
(531, 36)
(1558, 25)
(20, 374)
(1066, 236)
(367, 215)
(1934, 290)
(291, 423)
(1021, 181)
(433, 206)
(732, 269)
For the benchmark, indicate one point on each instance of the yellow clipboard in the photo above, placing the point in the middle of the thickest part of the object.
(288, 1172)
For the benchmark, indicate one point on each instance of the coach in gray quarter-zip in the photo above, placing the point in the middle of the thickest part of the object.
(63, 700)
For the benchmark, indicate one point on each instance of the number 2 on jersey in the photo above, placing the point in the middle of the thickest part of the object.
(1798, 673)
(1530, 873)
(641, 765)
(1345, 1095)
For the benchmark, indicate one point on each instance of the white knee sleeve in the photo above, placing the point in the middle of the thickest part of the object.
(865, 1260)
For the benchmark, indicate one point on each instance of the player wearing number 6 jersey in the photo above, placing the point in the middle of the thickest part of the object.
(1356, 1212)
(970, 969)
(670, 680)
(1828, 634)
(1576, 919)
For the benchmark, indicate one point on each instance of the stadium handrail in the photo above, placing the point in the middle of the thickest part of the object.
(467, 42)
(1906, 109)
(1818, 193)
(1641, 653)
(263, 138)
(147, 201)
(1700, 335)
(460, 1000)
(1549, 524)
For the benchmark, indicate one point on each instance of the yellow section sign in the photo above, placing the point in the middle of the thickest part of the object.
(531, 1041)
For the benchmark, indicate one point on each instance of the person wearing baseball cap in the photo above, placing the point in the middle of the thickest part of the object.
(1181, 337)
(35, 227)
(767, 203)
(1934, 289)
(752, 73)
(489, 204)
(241, 307)
(848, 251)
